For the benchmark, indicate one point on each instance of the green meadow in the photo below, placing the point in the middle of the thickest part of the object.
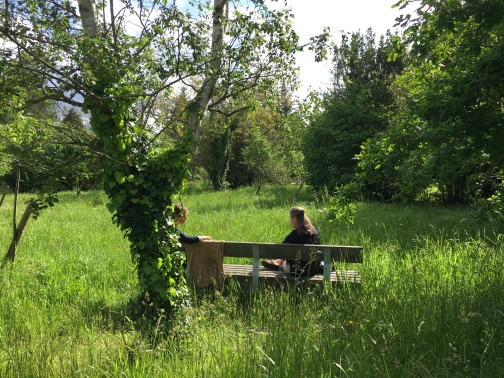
(430, 304)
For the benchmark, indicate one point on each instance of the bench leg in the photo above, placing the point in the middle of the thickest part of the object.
(255, 267)
(327, 265)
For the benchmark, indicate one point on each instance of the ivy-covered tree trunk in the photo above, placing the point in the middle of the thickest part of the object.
(141, 181)
(140, 184)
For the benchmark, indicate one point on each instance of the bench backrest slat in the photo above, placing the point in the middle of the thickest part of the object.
(349, 254)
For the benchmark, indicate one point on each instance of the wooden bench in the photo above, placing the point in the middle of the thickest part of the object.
(304, 252)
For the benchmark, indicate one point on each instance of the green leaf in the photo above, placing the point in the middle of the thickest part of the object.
(103, 117)
(119, 176)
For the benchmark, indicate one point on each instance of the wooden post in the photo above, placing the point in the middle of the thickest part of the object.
(11, 253)
(327, 265)
(16, 194)
(255, 267)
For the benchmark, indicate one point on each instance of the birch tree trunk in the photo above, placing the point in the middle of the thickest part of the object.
(200, 103)
(89, 17)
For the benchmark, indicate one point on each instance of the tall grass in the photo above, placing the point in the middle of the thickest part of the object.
(430, 302)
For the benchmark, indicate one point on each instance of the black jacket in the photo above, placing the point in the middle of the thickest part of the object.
(303, 268)
(186, 239)
(295, 238)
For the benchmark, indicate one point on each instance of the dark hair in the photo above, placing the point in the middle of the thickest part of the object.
(305, 226)
(178, 210)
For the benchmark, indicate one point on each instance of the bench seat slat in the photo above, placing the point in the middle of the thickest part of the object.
(239, 270)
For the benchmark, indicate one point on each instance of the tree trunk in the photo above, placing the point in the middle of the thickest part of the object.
(11, 253)
(200, 103)
(89, 17)
(298, 190)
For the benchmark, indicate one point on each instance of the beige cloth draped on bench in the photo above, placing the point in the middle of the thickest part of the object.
(205, 263)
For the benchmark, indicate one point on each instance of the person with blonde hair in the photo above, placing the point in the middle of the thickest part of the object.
(304, 232)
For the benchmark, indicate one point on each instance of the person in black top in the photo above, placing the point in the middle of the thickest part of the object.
(179, 217)
(304, 232)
